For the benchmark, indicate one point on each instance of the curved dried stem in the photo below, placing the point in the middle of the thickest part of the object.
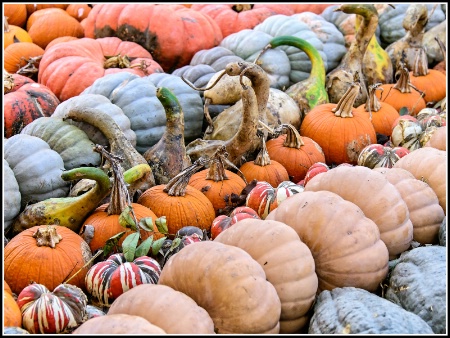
(190, 84)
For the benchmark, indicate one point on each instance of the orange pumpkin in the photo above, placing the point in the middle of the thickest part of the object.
(339, 129)
(181, 203)
(48, 255)
(59, 40)
(79, 11)
(296, 153)
(16, 14)
(12, 315)
(20, 54)
(40, 13)
(13, 34)
(31, 8)
(6, 287)
(382, 114)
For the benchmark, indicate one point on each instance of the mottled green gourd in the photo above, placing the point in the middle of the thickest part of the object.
(310, 92)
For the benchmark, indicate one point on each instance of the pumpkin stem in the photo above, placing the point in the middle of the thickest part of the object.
(293, 139)
(242, 7)
(263, 158)
(117, 61)
(177, 185)
(345, 105)
(47, 236)
(420, 67)
(217, 164)
(8, 82)
(403, 84)
(190, 84)
(5, 25)
(30, 68)
(373, 104)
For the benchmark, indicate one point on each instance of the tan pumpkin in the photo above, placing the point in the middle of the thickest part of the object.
(345, 244)
(429, 165)
(425, 213)
(229, 284)
(438, 139)
(171, 310)
(59, 40)
(118, 324)
(287, 262)
(378, 199)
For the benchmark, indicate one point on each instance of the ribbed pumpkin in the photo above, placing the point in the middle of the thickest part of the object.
(41, 13)
(18, 55)
(47, 255)
(13, 34)
(232, 18)
(60, 39)
(376, 196)
(16, 14)
(181, 203)
(31, 8)
(296, 153)
(11, 311)
(218, 183)
(340, 130)
(382, 114)
(190, 30)
(69, 68)
(287, 262)
(345, 244)
(438, 139)
(313, 8)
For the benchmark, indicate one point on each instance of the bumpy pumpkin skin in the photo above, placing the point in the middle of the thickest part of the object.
(182, 315)
(241, 301)
(345, 311)
(345, 244)
(287, 262)
(408, 289)
(376, 196)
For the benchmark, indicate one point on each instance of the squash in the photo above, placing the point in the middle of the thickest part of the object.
(345, 244)
(11, 202)
(37, 168)
(40, 247)
(63, 68)
(52, 312)
(118, 324)
(287, 262)
(195, 30)
(424, 297)
(376, 196)
(182, 315)
(425, 213)
(229, 284)
(429, 165)
(223, 222)
(350, 310)
(406, 133)
(438, 139)
(136, 96)
(379, 156)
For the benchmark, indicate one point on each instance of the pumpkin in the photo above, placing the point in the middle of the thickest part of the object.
(11, 206)
(429, 165)
(406, 133)
(296, 153)
(181, 203)
(12, 82)
(263, 168)
(23, 58)
(11, 311)
(70, 142)
(287, 262)
(13, 34)
(41, 247)
(382, 114)
(217, 183)
(37, 168)
(14, 330)
(345, 244)
(194, 29)
(232, 18)
(16, 14)
(47, 27)
(419, 295)
(26, 103)
(59, 40)
(315, 169)
(182, 315)
(378, 199)
(438, 139)
(431, 117)
(51, 312)
(107, 280)
(313, 8)
(79, 11)
(344, 311)
(63, 68)
(379, 156)
(425, 213)
(118, 324)
(31, 8)
(223, 222)
(134, 95)
(240, 281)
(339, 129)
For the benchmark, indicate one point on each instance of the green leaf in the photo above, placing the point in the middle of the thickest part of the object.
(175, 243)
(111, 243)
(142, 250)
(126, 220)
(129, 246)
(161, 224)
(157, 245)
(146, 223)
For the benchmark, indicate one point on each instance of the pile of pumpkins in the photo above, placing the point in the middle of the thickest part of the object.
(254, 169)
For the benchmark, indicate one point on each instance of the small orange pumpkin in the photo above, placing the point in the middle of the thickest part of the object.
(31, 8)
(16, 14)
(19, 55)
(12, 315)
(13, 33)
(79, 11)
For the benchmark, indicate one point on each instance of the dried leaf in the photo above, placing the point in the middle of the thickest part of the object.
(129, 246)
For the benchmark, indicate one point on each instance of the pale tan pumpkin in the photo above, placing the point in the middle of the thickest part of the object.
(287, 262)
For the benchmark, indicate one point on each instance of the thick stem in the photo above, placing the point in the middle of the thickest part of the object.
(345, 105)
(263, 158)
(293, 139)
(216, 170)
(177, 185)
(47, 236)
(420, 67)
(373, 104)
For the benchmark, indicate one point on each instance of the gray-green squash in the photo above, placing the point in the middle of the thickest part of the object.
(12, 197)
(418, 283)
(350, 310)
(37, 168)
(69, 141)
(136, 96)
